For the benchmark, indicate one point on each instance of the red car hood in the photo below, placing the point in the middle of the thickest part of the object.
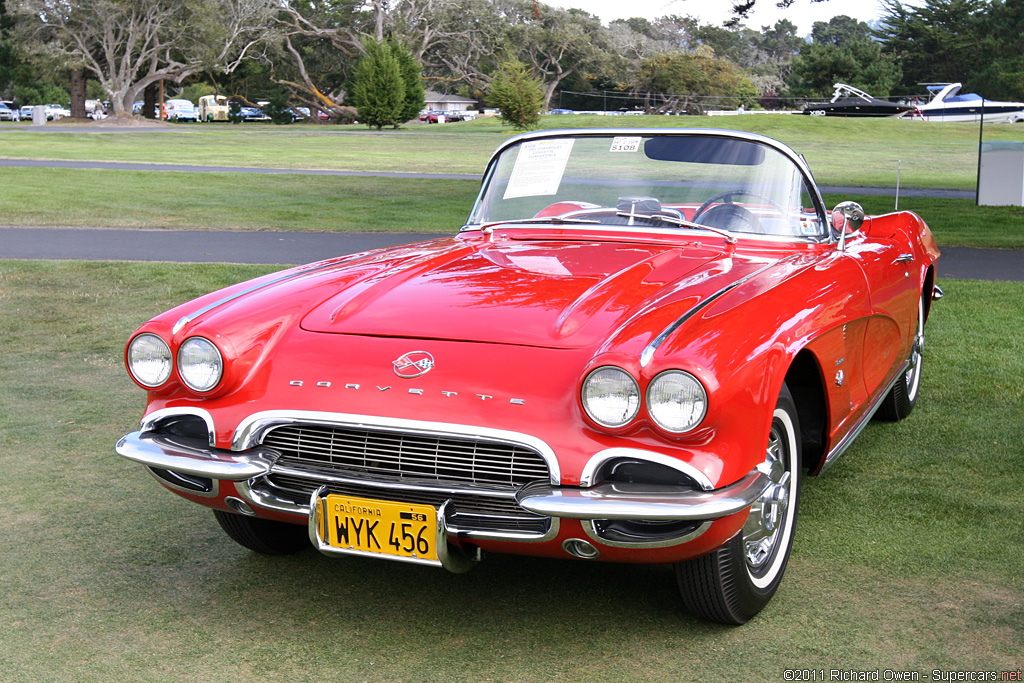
(551, 293)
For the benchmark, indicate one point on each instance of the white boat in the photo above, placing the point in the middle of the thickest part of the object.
(947, 104)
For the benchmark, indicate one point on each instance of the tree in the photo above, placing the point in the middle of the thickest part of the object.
(973, 42)
(690, 81)
(559, 44)
(378, 89)
(843, 51)
(517, 94)
(411, 72)
(129, 44)
(1002, 71)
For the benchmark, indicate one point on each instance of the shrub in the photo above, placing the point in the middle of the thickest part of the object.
(517, 94)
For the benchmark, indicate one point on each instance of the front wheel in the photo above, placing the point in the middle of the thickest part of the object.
(264, 536)
(732, 584)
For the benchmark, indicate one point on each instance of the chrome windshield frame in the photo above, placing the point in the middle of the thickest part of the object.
(796, 159)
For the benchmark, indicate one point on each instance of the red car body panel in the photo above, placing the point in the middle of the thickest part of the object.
(515, 317)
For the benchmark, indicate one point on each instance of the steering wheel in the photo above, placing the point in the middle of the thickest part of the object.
(730, 210)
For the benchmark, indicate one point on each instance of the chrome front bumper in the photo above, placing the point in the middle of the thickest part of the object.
(601, 502)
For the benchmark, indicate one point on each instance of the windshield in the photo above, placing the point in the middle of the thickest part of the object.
(645, 179)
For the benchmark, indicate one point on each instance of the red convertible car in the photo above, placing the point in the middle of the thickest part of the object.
(636, 348)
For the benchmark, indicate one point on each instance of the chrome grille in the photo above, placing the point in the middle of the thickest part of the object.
(401, 455)
(480, 477)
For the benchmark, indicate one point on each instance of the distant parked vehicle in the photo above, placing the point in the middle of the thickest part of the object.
(137, 109)
(253, 114)
(213, 108)
(26, 113)
(55, 112)
(181, 110)
(8, 114)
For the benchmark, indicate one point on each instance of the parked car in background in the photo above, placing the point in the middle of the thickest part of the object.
(55, 112)
(250, 113)
(635, 350)
(137, 109)
(26, 113)
(213, 108)
(8, 114)
(181, 111)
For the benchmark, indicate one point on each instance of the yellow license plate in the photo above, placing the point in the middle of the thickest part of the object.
(380, 527)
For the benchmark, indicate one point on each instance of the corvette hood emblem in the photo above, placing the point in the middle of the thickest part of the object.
(413, 364)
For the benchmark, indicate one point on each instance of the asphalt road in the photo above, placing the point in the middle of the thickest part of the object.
(292, 248)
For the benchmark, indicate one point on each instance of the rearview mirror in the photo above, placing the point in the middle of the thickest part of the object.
(847, 217)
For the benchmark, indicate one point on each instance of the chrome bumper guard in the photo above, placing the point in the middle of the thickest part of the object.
(644, 501)
(167, 453)
(608, 501)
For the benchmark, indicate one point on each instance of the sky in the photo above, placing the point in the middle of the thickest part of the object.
(803, 13)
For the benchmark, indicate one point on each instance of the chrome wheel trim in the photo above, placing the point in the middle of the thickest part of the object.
(913, 374)
(769, 525)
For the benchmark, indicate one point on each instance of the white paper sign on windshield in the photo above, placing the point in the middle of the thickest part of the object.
(539, 167)
(621, 144)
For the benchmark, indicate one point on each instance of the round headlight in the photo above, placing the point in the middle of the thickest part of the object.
(149, 360)
(676, 401)
(611, 396)
(200, 364)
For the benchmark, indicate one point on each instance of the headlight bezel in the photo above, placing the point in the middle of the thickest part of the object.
(130, 362)
(634, 409)
(656, 414)
(184, 375)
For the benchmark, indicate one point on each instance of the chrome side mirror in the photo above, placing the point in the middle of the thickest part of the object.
(847, 217)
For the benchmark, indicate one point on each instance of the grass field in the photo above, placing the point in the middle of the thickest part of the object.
(840, 151)
(907, 556)
(226, 201)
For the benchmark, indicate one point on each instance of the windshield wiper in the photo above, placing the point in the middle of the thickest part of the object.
(550, 220)
(672, 220)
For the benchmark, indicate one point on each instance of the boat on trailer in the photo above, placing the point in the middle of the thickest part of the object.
(947, 104)
(850, 101)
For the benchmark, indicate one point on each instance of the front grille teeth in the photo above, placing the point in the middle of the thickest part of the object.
(480, 476)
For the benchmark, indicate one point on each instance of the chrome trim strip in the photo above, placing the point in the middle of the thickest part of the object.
(405, 485)
(268, 500)
(845, 442)
(598, 460)
(252, 428)
(264, 497)
(590, 530)
(785, 150)
(149, 422)
(645, 501)
(162, 452)
(186, 319)
(648, 353)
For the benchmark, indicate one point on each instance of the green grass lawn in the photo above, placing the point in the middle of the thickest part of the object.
(231, 201)
(227, 201)
(841, 152)
(907, 555)
(862, 152)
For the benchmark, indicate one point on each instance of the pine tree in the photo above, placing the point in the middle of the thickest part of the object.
(378, 89)
(415, 94)
(518, 94)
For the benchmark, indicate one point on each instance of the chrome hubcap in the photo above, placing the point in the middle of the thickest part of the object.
(763, 529)
(916, 354)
